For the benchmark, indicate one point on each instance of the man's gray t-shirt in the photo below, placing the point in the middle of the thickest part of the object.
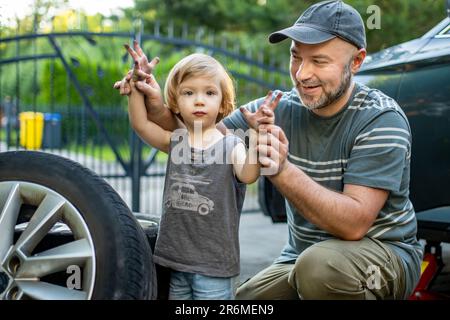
(367, 143)
(199, 228)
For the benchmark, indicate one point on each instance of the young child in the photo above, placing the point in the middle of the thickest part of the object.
(205, 179)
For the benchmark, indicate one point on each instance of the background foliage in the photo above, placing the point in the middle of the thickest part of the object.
(240, 26)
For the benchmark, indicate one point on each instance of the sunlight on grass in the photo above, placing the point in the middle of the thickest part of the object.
(105, 152)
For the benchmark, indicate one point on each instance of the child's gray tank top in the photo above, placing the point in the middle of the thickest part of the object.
(199, 229)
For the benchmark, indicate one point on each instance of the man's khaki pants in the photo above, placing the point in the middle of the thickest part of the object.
(332, 269)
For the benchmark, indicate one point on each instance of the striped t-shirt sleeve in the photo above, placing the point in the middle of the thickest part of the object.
(380, 153)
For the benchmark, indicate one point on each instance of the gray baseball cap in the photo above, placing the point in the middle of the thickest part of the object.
(324, 21)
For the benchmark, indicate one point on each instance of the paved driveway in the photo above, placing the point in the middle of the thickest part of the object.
(261, 242)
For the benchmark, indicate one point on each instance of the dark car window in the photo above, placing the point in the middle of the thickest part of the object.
(186, 190)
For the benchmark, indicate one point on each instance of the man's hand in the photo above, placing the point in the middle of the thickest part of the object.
(153, 97)
(273, 148)
(264, 114)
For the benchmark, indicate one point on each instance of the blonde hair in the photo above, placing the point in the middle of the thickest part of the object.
(200, 65)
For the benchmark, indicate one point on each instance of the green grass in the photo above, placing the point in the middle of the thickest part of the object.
(13, 132)
(105, 152)
(101, 152)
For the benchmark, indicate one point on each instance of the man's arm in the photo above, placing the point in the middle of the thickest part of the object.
(347, 215)
(156, 111)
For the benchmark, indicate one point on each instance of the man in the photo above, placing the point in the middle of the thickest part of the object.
(340, 154)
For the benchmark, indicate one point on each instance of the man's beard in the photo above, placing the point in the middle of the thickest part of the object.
(326, 98)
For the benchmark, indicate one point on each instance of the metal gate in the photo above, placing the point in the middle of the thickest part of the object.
(76, 123)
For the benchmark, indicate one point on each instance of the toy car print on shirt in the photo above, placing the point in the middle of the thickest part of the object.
(183, 195)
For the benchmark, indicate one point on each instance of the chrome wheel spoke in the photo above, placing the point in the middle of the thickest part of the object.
(47, 291)
(42, 221)
(33, 217)
(55, 260)
(8, 219)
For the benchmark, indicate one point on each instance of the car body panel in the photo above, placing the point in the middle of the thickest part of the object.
(417, 75)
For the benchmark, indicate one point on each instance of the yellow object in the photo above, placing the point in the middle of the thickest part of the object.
(31, 129)
(423, 266)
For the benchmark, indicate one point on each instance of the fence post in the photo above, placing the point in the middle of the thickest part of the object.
(18, 86)
(135, 170)
(185, 31)
(170, 29)
(156, 28)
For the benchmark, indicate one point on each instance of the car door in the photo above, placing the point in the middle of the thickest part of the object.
(424, 95)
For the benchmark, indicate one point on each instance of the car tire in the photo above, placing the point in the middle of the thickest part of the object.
(150, 224)
(105, 240)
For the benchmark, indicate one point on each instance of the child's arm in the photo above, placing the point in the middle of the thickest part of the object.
(245, 164)
(156, 111)
(150, 132)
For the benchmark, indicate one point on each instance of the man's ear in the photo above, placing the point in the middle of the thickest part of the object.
(358, 60)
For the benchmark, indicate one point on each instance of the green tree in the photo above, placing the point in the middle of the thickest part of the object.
(401, 20)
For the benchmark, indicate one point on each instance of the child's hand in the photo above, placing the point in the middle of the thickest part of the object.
(146, 85)
(264, 114)
(143, 70)
(134, 91)
(124, 85)
(150, 88)
(141, 59)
